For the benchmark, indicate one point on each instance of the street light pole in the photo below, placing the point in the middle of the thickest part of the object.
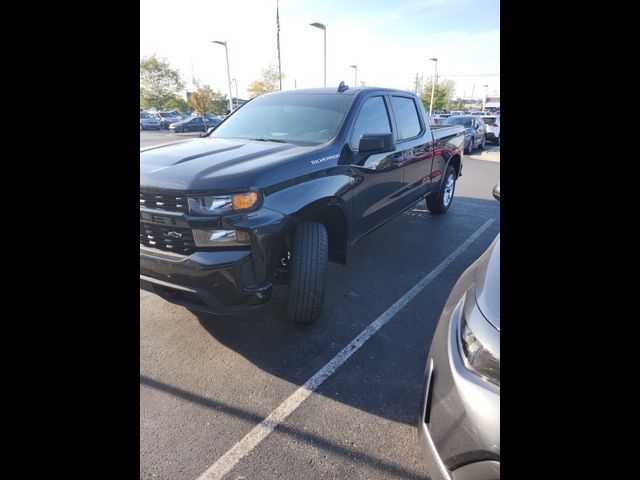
(355, 80)
(485, 97)
(433, 83)
(324, 29)
(236, 82)
(226, 51)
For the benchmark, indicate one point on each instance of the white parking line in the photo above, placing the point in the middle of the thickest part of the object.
(229, 460)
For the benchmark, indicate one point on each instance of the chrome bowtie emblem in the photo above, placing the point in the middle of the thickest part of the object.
(174, 234)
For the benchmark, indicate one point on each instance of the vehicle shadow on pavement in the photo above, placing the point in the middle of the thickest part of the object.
(350, 454)
(384, 377)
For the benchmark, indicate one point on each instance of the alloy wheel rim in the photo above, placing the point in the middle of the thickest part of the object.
(448, 190)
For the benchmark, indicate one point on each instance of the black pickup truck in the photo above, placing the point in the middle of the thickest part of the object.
(286, 183)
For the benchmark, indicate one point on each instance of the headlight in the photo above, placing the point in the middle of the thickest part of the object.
(476, 357)
(220, 238)
(216, 205)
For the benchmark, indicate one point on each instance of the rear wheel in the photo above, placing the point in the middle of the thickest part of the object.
(481, 146)
(441, 201)
(498, 141)
(308, 268)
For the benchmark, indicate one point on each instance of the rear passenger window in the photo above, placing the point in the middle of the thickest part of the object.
(373, 118)
(406, 117)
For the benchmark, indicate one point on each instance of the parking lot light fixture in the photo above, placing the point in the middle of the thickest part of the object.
(433, 83)
(236, 83)
(324, 29)
(226, 51)
(355, 80)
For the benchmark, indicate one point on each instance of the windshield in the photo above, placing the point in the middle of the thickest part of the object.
(167, 114)
(489, 120)
(144, 115)
(296, 118)
(459, 120)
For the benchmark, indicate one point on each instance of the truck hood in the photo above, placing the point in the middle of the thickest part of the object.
(212, 163)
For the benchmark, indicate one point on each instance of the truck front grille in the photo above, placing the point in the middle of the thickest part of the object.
(163, 201)
(169, 238)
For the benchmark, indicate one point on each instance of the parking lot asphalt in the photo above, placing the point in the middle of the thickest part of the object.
(206, 382)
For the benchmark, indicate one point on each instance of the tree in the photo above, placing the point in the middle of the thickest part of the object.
(159, 83)
(441, 97)
(176, 103)
(270, 82)
(205, 100)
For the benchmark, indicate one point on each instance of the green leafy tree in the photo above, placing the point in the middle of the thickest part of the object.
(176, 103)
(441, 96)
(270, 82)
(205, 100)
(159, 83)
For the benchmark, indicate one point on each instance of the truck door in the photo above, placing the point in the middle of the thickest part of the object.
(376, 193)
(416, 142)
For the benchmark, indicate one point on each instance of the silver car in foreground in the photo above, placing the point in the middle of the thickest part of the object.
(459, 425)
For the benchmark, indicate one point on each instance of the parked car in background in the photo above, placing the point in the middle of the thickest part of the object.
(193, 124)
(165, 118)
(459, 425)
(493, 128)
(148, 123)
(476, 130)
(456, 112)
(478, 113)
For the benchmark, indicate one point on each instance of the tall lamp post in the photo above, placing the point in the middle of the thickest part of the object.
(236, 83)
(324, 29)
(433, 84)
(485, 97)
(226, 51)
(355, 80)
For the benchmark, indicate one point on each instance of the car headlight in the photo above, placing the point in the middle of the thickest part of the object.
(216, 205)
(476, 356)
(220, 238)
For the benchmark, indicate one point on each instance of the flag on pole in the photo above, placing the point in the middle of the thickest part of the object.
(278, 25)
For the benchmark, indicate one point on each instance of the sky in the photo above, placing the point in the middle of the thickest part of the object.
(390, 41)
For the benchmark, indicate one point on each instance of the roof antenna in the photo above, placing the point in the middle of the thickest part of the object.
(342, 87)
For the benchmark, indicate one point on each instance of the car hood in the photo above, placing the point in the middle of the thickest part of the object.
(488, 284)
(212, 163)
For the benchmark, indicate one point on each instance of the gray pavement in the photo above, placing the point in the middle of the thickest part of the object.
(206, 381)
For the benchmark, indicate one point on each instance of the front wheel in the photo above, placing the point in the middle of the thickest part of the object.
(469, 148)
(441, 201)
(308, 268)
(481, 146)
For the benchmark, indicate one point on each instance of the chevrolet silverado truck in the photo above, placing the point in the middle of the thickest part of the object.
(285, 184)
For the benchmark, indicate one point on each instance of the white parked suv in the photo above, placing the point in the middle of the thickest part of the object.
(493, 128)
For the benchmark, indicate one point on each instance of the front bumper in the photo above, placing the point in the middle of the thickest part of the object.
(219, 282)
(459, 424)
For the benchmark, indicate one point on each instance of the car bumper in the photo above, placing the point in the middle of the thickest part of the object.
(219, 282)
(459, 424)
(491, 136)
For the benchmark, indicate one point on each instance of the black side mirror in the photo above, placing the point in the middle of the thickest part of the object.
(376, 143)
(496, 191)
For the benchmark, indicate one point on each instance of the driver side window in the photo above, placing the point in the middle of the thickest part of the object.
(373, 118)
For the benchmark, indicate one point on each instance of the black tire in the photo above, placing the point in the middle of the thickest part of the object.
(441, 201)
(185, 130)
(498, 141)
(308, 269)
(470, 148)
(481, 146)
